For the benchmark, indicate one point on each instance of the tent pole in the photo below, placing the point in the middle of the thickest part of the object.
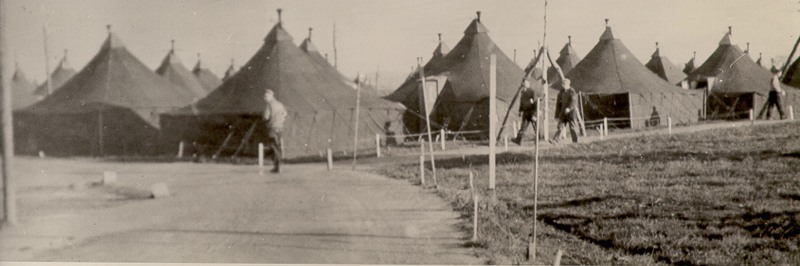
(358, 103)
(47, 63)
(789, 59)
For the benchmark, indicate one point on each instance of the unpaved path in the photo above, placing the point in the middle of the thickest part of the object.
(225, 213)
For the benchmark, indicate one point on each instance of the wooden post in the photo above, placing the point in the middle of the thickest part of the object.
(532, 248)
(514, 127)
(669, 124)
(558, 258)
(471, 185)
(260, 155)
(492, 119)
(605, 127)
(583, 117)
(427, 119)
(180, 150)
(330, 158)
(9, 188)
(283, 154)
(378, 145)
(47, 76)
(358, 104)
(422, 170)
(750, 114)
(442, 138)
(475, 217)
(791, 113)
(505, 141)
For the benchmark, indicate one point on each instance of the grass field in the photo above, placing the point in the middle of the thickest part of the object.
(720, 197)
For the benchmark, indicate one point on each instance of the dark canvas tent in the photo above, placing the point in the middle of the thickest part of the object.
(689, 67)
(739, 84)
(173, 70)
(463, 76)
(321, 107)
(110, 107)
(792, 75)
(614, 84)
(567, 60)
(663, 67)
(59, 76)
(229, 72)
(21, 90)
(205, 76)
(324, 66)
(410, 92)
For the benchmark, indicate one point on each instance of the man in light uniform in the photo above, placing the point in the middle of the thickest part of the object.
(275, 114)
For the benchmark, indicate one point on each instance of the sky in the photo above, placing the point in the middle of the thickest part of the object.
(386, 36)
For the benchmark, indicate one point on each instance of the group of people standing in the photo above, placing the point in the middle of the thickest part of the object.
(566, 113)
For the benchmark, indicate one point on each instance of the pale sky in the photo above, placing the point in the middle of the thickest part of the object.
(389, 34)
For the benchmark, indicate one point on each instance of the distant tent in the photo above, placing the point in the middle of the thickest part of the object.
(324, 66)
(758, 61)
(321, 107)
(205, 76)
(409, 93)
(567, 60)
(615, 85)
(110, 107)
(462, 76)
(173, 70)
(21, 90)
(229, 72)
(739, 84)
(661, 66)
(60, 76)
(689, 67)
(792, 75)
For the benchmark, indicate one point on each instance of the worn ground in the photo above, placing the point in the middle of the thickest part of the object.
(227, 213)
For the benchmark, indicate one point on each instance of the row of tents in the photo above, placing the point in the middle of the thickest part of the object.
(115, 105)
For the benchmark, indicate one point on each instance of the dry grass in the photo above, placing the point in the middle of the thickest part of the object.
(721, 197)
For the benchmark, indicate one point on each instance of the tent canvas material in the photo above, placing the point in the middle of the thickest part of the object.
(320, 104)
(59, 76)
(110, 107)
(616, 85)
(173, 70)
(567, 60)
(207, 79)
(664, 68)
(21, 91)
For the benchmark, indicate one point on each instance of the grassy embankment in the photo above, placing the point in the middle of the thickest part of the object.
(723, 197)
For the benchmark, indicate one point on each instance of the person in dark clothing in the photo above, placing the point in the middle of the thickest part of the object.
(774, 97)
(566, 107)
(527, 110)
(655, 118)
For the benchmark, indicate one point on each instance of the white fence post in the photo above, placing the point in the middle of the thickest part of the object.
(750, 114)
(422, 170)
(442, 138)
(669, 124)
(378, 145)
(330, 158)
(180, 147)
(260, 155)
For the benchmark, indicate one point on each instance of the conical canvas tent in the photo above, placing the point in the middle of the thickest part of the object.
(321, 107)
(21, 90)
(689, 67)
(738, 83)
(173, 70)
(229, 72)
(615, 85)
(59, 76)
(110, 107)
(567, 60)
(410, 92)
(463, 76)
(205, 76)
(663, 67)
(325, 67)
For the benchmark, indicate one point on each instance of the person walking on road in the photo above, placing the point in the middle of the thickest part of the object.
(566, 107)
(527, 111)
(775, 95)
(275, 114)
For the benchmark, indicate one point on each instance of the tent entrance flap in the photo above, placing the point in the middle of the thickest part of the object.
(615, 107)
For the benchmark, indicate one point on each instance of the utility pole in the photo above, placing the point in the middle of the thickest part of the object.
(9, 194)
(335, 55)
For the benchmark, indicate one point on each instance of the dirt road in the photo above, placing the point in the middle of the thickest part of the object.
(225, 213)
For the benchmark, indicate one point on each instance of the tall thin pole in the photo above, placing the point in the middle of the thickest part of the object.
(358, 104)
(9, 193)
(492, 120)
(47, 63)
(335, 54)
(535, 180)
(427, 118)
(546, 117)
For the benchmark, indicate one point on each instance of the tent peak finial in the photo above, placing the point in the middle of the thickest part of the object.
(606, 22)
(479, 15)
(440, 37)
(65, 53)
(108, 28)
(694, 54)
(280, 20)
(656, 45)
(569, 39)
(730, 30)
(309, 32)
(172, 45)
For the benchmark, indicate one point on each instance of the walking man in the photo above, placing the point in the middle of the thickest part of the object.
(775, 95)
(275, 114)
(566, 107)
(527, 111)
